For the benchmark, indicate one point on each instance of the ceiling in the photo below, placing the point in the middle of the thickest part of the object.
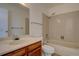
(44, 5)
(48, 5)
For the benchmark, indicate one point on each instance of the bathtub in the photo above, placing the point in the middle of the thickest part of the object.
(65, 51)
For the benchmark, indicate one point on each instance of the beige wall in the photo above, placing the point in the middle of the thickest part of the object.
(17, 15)
(45, 28)
(36, 11)
(35, 20)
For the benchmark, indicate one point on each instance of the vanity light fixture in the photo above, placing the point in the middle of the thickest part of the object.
(28, 5)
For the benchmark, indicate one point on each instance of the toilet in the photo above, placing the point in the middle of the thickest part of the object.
(47, 50)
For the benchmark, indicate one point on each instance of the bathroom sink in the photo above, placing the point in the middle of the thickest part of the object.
(16, 42)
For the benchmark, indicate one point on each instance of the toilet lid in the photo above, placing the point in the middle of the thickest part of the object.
(48, 49)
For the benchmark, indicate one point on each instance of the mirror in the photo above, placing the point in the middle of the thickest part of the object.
(15, 20)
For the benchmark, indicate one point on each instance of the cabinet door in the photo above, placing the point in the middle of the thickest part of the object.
(3, 23)
(34, 46)
(36, 52)
(20, 52)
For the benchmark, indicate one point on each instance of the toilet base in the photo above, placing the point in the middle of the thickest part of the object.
(47, 54)
(47, 50)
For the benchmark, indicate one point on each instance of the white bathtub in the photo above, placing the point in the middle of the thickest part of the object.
(65, 51)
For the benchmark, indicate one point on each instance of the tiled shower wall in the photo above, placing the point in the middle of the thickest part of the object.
(64, 29)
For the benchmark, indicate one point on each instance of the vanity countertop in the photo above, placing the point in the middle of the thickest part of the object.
(11, 45)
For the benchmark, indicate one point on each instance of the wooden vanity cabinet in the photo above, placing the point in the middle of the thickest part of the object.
(19, 52)
(36, 52)
(34, 49)
(30, 50)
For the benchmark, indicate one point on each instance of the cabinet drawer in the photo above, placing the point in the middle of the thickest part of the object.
(36, 52)
(34, 46)
(19, 52)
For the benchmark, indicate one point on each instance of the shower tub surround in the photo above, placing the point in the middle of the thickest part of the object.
(64, 32)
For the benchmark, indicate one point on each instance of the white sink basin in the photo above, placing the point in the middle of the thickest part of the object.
(16, 42)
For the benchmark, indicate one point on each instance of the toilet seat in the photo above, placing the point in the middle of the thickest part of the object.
(48, 49)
